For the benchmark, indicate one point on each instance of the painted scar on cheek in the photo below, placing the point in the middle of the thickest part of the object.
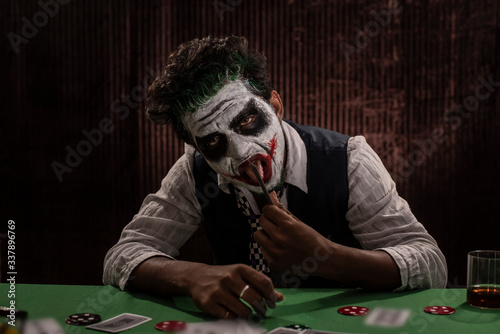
(273, 143)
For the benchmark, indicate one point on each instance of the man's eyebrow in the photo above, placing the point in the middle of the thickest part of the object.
(207, 137)
(214, 109)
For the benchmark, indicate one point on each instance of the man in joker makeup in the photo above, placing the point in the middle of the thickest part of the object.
(336, 218)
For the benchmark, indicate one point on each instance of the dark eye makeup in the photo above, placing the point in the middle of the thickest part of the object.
(251, 121)
(213, 146)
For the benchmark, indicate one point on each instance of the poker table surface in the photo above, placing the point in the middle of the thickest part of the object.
(316, 308)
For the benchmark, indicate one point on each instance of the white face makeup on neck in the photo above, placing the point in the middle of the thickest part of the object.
(237, 128)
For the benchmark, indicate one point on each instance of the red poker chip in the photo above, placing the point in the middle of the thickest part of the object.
(439, 310)
(353, 310)
(170, 326)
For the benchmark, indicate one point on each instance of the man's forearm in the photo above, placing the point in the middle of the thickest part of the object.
(367, 269)
(164, 276)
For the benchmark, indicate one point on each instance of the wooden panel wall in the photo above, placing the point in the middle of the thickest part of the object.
(391, 79)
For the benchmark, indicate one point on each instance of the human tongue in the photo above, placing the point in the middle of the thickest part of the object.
(250, 173)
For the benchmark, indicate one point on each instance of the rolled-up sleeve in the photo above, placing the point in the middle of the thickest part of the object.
(166, 220)
(381, 220)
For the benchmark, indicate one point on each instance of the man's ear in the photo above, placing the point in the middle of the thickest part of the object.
(277, 104)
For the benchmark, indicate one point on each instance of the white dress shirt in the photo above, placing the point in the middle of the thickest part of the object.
(378, 217)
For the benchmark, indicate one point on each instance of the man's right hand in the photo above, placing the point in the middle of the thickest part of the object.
(214, 289)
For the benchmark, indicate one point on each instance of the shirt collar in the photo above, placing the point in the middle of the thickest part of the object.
(296, 161)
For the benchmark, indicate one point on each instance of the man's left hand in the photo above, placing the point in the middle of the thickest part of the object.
(286, 241)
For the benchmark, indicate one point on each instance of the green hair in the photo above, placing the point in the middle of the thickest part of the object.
(197, 71)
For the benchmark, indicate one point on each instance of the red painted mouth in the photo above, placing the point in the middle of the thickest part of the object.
(246, 175)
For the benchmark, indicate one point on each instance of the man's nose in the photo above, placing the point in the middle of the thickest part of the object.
(238, 147)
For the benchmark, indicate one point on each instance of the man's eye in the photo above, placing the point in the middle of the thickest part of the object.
(247, 121)
(213, 142)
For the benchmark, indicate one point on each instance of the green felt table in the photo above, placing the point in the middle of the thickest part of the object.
(316, 308)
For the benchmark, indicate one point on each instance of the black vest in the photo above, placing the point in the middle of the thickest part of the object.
(323, 207)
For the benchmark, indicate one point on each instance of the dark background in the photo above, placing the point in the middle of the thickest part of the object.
(82, 63)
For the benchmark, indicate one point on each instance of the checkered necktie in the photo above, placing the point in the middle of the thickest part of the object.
(256, 258)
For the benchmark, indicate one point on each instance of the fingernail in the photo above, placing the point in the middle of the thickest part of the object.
(270, 303)
(274, 198)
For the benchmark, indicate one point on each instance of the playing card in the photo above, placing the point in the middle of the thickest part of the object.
(283, 330)
(119, 323)
(387, 317)
(312, 331)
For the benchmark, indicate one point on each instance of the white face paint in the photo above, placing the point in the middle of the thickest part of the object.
(236, 128)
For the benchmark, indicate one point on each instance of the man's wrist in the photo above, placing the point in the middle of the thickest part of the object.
(363, 268)
(189, 276)
(328, 255)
